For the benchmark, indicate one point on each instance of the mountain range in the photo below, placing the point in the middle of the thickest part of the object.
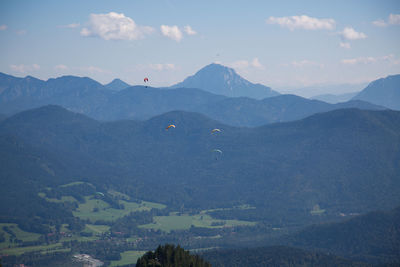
(297, 172)
(314, 91)
(319, 160)
(384, 92)
(89, 97)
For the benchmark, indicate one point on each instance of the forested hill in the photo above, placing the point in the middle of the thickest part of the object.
(373, 237)
(275, 256)
(343, 161)
(171, 256)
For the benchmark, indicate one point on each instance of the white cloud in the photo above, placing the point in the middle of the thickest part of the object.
(345, 45)
(240, 64)
(70, 26)
(379, 23)
(244, 64)
(394, 19)
(114, 26)
(369, 60)
(189, 30)
(172, 32)
(22, 68)
(306, 63)
(3, 27)
(160, 67)
(360, 60)
(153, 66)
(61, 67)
(350, 34)
(303, 22)
(256, 63)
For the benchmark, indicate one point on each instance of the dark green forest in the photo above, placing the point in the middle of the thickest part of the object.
(275, 256)
(171, 256)
(277, 179)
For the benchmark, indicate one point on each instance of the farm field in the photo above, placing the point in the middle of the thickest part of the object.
(43, 249)
(97, 209)
(184, 222)
(15, 233)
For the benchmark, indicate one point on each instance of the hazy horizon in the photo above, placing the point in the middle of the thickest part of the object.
(281, 45)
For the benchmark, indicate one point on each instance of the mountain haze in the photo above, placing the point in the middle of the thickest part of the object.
(242, 111)
(384, 92)
(333, 99)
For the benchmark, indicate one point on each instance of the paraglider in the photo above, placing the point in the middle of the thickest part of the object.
(217, 153)
(100, 194)
(169, 126)
(146, 80)
(215, 131)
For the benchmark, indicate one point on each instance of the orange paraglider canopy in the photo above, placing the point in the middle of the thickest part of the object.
(169, 126)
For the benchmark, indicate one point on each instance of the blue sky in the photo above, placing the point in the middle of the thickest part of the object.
(282, 44)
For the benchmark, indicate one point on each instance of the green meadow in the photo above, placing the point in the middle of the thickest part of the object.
(42, 249)
(19, 235)
(184, 222)
(96, 209)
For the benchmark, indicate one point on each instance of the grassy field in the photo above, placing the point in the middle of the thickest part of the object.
(241, 207)
(96, 229)
(75, 183)
(104, 212)
(42, 249)
(183, 222)
(128, 257)
(19, 234)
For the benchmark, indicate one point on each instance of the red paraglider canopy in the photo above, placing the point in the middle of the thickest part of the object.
(146, 79)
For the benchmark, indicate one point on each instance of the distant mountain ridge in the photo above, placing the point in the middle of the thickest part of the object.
(333, 99)
(384, 92)
(241, 111)
(117, 85)
(86, 96)
(222, 80)
(80, 94)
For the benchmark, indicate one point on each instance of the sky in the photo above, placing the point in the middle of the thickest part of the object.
(281, 44)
